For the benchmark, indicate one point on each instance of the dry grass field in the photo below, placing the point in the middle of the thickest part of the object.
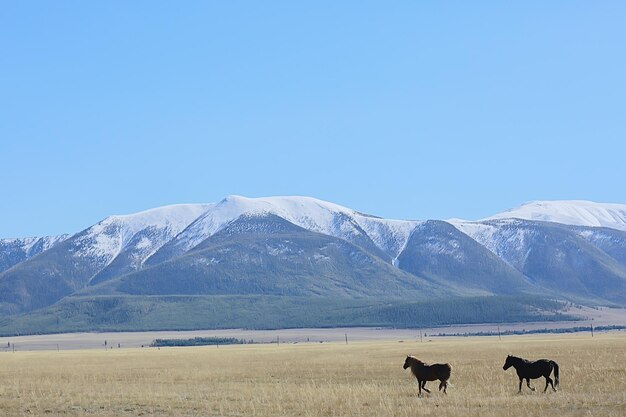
(359, 379)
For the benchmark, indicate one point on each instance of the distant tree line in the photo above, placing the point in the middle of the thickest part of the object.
(199, 341)
(538, 331)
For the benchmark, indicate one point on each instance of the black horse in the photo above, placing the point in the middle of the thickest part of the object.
(531, 370)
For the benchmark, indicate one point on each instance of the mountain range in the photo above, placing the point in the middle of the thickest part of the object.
(302, 248)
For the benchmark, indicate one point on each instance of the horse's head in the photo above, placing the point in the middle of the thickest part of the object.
(412, 360)
(508, 363)
(407, 362)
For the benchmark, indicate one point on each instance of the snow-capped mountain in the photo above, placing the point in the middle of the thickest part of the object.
(122, 243)
(265, 254)
(312, 214)
(114, 246)
(572, 212)
(437, 249)
(578, 261)
(14, 251)
(301, 245)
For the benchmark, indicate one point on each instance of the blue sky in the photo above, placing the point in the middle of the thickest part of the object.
(405, 110)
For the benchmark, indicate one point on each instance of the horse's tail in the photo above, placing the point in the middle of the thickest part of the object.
(556, 373)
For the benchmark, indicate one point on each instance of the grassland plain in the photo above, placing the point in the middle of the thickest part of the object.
(330, 379)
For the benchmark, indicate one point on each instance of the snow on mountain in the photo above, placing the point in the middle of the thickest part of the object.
(571, 259)
(507, 238)
(507, 235)
(611, 241)
(306, 212)
(389, 235)
(14, 251)
(28, 245)
(164, 232)
(142, 233)
(572, 212)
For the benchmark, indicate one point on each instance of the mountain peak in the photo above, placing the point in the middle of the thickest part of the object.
(109, 237)
(306, 212)
(158, 214)
(572, 212)
(284, 203)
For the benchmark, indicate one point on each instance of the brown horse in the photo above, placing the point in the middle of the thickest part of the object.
(424, 373)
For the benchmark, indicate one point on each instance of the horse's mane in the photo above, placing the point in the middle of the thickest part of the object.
(415, 361)
(519, 359)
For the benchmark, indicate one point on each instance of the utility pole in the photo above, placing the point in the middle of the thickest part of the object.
(591, 329)
(346, 338)
(499, 337)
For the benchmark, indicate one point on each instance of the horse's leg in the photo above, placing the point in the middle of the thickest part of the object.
(444, 385)
(424, 386)
(519, 391)
(548, 381)
(528, 383)
(419, 385)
